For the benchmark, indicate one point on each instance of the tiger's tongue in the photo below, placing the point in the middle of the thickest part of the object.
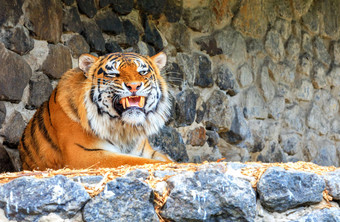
(134, 101)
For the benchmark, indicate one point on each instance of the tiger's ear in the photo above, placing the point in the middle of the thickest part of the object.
(86, 61)
(159, 59)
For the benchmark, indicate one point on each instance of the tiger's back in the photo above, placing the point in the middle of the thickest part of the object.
(100, 115)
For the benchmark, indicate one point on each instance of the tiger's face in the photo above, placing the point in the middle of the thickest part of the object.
(126, 88)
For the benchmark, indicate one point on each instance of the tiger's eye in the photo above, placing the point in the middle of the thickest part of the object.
(143, 72)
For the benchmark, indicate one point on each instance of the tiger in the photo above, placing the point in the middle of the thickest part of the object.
(100, 115)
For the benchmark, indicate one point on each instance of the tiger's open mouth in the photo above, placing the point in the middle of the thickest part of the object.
(133, 101)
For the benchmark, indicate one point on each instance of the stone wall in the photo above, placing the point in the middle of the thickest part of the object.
(251, 80)
(206, 192)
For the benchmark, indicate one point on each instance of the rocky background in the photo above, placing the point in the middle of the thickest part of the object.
(207, 192)
(250, 79)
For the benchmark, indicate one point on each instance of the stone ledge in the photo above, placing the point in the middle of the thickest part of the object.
(175, 192)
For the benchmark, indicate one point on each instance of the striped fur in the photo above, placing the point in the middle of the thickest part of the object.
(100, 115)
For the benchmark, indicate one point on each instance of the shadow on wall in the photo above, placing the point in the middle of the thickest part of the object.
(249, 81)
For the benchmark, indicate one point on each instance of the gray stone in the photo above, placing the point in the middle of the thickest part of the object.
(212, 138)
(305, 64)
(335, 52)
(317, 120)
(87, 7)
(218, 113)
(174, 75)
(139, 174)
(301, 7)
(113, 46)
(40, 91)
(276, 107)
(274, 45)
(28, 198)
(209, 195)
(185, 109)
(307, 45)
(18, 40)
(290, 143)
(131, 33)
(152, 35)
(173, 10)
(321, 52)
(255, 106)
(123, 199)
(58, 53)
(71, 20)
(306, 91)
(180, 37)
(14, 75)
(294, 117)
(282, 73)
(323, 215)
(267, 85)
(245, 76)
(203, 77)
(280, 190)
(11, 12)
(332, 180)
(254, 46)
(283, 27)
(199, 19)
(328, 104)
(226, 80)
(78, 45)
(122, 7)
(171, 142)
(187, 65)
(293, 50)
(311, 19)
(89, 181)
(14, 129)
(2, 113)
(93, 36)
(68, 2)
(270, 153)
(330, 10)
(108, 21)
(232, 45)
(326, 153)
(44, 24)
(154, 8)
(319, 76)
(5, 161)
(334, 77)
(239, 129)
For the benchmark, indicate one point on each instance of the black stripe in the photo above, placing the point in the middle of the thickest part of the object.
(141, 153)
(153, 154)
(55, 95)
(49, 114)
(26, 151)
(87, 149)
(42, 127)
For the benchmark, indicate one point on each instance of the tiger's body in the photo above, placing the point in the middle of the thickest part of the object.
(100, 115)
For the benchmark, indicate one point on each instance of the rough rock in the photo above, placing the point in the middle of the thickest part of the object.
(27, 198)
(335, 52)
(204, 72)
(277, 107)
(173, 74)
(5, 161)
(14, 75)
(254, 46)
(280, 190)
(185, 109)
(319, 76)
(271, 152)
(197, 136)
(193, 197)
(218, 116)
(294, 117)
(326, 153)
(310, 20)
(18, 40)
(305, 64)
(131, 33)
(301, 7)
(173, 10)
(44, 24)
(226, 80)
(331, 214)
(245, 76)
(58, 53)
(108, 21)
(329, 11)
(267, 86)
(321, 52)
(122, 7)
(93, 36)
(87, 7)
(306, 91)
(11, 12)
(14, 129)
(78, 45)
(152, 35)
(139, 174)
(68, 2)
(111, 204)
(332, 180)
(112, 47)
(334, 79)
(212, 138)
(199, 19)
(180, 36)
(274, 45)
(71, 20)
(40, 91)
(171, 142)
(316, 120)
(255, 106)
(188, 67)
(291, 143)
(283, 27)
(2, 113)
(209, 45)
(151, 7)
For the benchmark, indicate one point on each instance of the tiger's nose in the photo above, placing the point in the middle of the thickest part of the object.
(133, 86)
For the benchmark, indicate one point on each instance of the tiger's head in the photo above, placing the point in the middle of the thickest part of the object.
(125, 91)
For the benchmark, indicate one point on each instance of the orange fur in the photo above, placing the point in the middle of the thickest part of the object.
(84, 123)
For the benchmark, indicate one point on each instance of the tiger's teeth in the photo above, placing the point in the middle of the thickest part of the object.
(141, 102)
(127, 102)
